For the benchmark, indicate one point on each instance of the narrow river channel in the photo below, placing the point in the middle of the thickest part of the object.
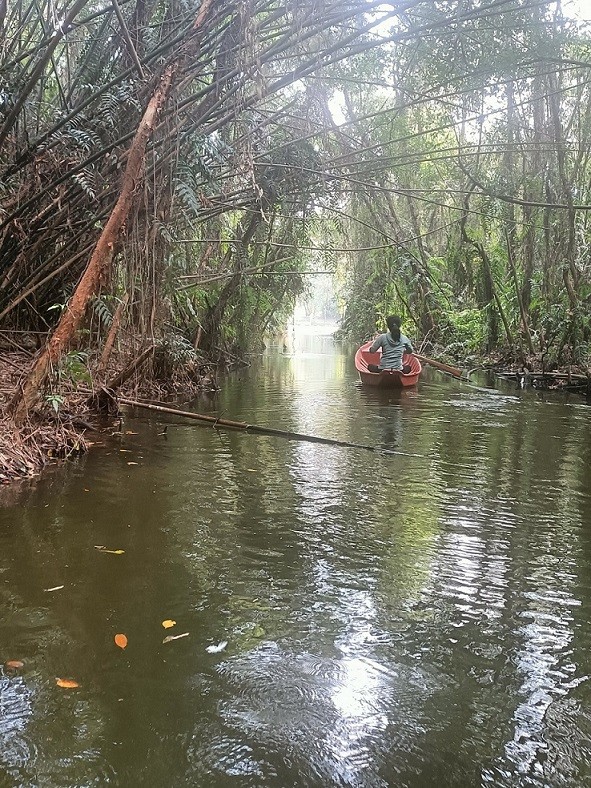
(353, 619)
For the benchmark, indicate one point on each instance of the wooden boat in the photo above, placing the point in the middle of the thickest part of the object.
(387, 378)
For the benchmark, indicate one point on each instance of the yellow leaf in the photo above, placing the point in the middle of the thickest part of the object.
(67, 683)
(102, 549)
(168, 623)
(121, 640)
(14, 664)
(168, 638)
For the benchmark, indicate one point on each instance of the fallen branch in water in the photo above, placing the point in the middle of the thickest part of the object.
(242, 425)
(104, 398)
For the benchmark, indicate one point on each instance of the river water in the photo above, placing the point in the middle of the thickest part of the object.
(353, 619)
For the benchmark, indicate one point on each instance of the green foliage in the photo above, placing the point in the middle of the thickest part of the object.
(55, 401)
(104, 314)
(172, 353)
(468, 331)
(74, 368)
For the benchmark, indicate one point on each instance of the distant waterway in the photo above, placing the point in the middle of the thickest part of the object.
(346, 618)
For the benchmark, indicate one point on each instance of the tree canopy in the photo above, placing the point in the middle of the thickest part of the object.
(200, 158)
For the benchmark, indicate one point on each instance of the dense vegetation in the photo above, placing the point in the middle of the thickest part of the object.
(170, 170)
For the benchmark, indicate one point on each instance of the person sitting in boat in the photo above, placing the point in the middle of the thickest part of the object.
(393, 344)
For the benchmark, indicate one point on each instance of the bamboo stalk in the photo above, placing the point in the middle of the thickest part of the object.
(111, 336)
(255, 428)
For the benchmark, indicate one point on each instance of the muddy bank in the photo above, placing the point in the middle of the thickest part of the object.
(66, 421)
(49, 436)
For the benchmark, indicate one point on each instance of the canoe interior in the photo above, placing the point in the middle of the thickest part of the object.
(386, 378)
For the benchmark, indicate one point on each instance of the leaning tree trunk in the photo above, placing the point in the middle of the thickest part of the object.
(102, 256)
(100, 261)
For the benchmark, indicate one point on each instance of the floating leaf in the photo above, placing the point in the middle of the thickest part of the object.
(133, 463)
(168, 638)
(216, 649)
(14, 664)
(55, 588)
(101, 548)
(121, 640)
(67, 683)
(129, 432)
(168, 623)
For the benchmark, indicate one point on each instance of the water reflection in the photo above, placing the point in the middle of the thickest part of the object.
(417, 619)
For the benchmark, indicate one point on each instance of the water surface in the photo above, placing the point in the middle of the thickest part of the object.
(409, 620)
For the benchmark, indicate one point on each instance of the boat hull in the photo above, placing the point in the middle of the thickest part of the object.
(387, 378)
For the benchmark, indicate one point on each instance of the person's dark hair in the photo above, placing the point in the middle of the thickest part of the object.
(396, 320)
(393, 327)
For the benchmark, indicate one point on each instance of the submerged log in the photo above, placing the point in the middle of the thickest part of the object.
(216, 422)
(528, 377)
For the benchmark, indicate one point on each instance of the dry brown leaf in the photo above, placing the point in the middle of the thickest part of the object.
(14, 664)
(168, 623)
(121, 640)
(168, 638)
(67, 683)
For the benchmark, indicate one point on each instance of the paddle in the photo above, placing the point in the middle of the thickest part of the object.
(454, 371)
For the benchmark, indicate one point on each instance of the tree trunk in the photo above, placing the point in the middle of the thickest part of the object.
(104, 251)
(100, 261)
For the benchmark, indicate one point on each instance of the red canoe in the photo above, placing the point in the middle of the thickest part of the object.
(388, 378)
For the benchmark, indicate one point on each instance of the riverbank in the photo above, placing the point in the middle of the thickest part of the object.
(51, 434)
(65, 422)
(535, 374)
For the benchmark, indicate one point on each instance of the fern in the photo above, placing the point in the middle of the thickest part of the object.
(114, 102)
(187, 191)
(79, 135)
(103, 312)
(85, 179)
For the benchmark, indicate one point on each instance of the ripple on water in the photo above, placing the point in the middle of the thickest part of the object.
(391, 621)
(17, 749)
(323, 720)
(49, 748)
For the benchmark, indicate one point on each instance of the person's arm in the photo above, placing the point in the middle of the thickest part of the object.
(377, 343)
(407, 345)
